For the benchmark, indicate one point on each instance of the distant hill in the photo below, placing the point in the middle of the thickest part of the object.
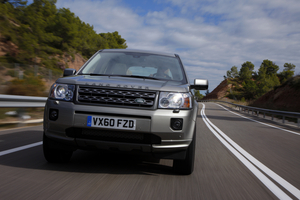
(283, 97)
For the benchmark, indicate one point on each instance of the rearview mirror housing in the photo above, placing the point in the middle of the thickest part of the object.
(200, 84)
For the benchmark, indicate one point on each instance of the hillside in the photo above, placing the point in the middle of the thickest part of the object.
(220, 91)
(38, 41)
(284, 97)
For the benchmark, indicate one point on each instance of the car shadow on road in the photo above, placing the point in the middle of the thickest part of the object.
(101, 162)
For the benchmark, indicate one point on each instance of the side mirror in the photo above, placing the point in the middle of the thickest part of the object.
(69, 72)
(200, 84)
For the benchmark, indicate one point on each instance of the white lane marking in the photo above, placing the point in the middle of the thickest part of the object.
(261, 122)
(268, 171)
(2, 153)
(242, 155)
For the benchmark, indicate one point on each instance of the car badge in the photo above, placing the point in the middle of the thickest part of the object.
(139, 100)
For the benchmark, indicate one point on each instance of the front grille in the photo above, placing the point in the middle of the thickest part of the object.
(113, 136)
(100, 95)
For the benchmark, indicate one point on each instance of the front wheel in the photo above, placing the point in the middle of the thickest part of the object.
(53, 155)
(186, 166)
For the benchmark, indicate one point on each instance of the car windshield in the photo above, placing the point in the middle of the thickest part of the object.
(135, 65)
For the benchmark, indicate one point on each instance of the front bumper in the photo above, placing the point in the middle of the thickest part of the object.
(159, 139)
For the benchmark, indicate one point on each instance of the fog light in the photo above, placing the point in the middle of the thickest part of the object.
(53, 114)
(176, 123)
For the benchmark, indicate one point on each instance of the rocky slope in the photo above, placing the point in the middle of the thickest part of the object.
(7, 48)
(220, 91)
(285, 97)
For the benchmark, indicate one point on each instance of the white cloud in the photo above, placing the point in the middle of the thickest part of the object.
(105, 16)
(210, 36)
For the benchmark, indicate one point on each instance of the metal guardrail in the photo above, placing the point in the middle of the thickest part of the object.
(16, 101)
(255, 110)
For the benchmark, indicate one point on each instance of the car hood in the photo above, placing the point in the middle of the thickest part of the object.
(125, 82)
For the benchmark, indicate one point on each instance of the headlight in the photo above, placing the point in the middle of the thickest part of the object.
(174, 100)
(62, 92)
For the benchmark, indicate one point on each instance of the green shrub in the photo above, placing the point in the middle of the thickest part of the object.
(29, 86)
(295, 83)
(11, 73)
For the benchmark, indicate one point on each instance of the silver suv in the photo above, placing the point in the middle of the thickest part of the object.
(124, 100)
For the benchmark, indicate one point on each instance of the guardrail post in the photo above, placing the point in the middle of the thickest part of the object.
(257, 113)
(272, 117)
(283, 118)
(252, 112)
(264, 115)
(298, 122)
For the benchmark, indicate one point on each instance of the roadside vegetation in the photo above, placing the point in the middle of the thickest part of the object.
(40, 34)
(249, 85)
(198, 95)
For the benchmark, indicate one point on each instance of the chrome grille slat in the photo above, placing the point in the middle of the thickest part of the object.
(100, 95)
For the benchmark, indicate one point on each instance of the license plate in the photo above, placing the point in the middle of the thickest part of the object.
(109, 122)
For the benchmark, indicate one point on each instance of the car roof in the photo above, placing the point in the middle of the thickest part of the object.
(138, 51)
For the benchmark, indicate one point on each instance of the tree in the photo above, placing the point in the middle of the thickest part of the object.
(41, 30)
(198, 94)
(249, 65)
(245, 73)
(250, 89)
(246, 70)
(266, 81)
(15, 3)
(233, 72)
(271, 67)
(114, 40)
(289, 67)
(288, 72)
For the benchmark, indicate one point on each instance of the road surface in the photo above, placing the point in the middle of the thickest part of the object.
(237, 157)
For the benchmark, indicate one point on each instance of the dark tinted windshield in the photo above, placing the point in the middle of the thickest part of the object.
(135, 64)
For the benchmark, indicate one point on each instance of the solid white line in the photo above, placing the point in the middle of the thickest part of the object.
(260, 122)
(2, 153)
(264, 168)
(268, 171)
(267, 182)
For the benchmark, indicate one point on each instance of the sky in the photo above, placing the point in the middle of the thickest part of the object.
(210, 36)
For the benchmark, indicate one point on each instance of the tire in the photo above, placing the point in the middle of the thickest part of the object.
(53, 155)
(186, 166)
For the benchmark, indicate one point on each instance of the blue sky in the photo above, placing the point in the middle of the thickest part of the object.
(210, 36)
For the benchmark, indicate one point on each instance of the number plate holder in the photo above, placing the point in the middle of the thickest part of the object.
(111, 122)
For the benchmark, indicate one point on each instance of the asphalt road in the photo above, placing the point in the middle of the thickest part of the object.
(236, 158)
